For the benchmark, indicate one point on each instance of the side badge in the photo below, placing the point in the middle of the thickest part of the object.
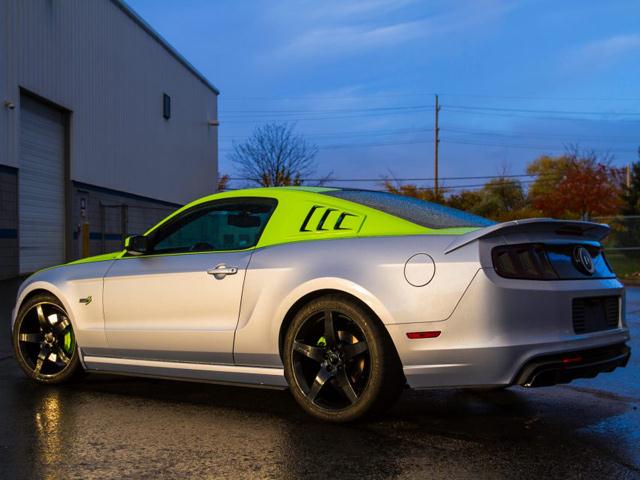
(86, 301)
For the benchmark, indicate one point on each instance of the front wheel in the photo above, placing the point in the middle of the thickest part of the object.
(43, 340)
(339, 361)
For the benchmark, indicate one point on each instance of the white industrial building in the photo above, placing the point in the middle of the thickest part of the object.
(104, 129)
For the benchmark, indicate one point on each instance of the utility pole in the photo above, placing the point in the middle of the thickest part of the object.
(436, 142)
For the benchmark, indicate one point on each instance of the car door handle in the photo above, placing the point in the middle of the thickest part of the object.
(221, 271)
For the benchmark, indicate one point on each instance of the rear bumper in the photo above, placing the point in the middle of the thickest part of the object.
(501, 327)
(493, 366)
(549, 370)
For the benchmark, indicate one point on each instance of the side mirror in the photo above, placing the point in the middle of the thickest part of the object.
(137, 245)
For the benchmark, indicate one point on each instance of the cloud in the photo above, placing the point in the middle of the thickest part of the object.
(603, 52)
(349, 39)
(343, 8)
(344, 31)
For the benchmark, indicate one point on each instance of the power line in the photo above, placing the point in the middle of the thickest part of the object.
(327, 110)
(465, 139)
(455, 141)
(329, 97)
(428, 95)
(340, 146)
(338, 117)
(382, 179)
(528, 147)
(533, 97)
(369, 133)
(344, 113)
(520, 134)
(417, 179)
(528, 110)
(446, 188)
(315, 111)
(371, 113)
(532, 117)
(568, 137)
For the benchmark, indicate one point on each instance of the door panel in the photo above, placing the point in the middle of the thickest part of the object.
(167, 307)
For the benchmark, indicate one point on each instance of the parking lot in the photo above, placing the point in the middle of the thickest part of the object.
(113, 427)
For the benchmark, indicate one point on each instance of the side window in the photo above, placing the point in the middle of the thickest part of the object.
(224, 225)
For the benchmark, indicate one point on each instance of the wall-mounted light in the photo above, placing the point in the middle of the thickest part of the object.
(214, 123)
(10, 105)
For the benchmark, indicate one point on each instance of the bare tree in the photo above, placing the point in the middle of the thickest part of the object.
(274, 155)
(575, 153)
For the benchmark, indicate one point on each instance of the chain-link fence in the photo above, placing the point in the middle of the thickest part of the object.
(622, 246)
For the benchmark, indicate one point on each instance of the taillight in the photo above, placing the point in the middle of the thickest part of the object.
(526, 261)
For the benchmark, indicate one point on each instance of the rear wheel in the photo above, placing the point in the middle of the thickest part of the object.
(44, 342)
(340, 362)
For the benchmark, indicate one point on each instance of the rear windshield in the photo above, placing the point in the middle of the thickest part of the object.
(420, 212)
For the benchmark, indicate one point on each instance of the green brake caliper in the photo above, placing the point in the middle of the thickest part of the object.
(322, 342)
(68, 342)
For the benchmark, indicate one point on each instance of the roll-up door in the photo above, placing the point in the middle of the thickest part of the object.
(41, 196)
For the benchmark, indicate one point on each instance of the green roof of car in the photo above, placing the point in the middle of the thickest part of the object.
(296, 203)
(312, 213)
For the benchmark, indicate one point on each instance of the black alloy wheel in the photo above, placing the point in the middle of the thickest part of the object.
(44, 342)
(339, 360)
(331, 360)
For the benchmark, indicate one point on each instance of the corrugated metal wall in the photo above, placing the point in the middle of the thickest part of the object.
(89, 57)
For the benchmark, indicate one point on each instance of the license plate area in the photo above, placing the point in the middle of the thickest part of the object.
(594, 314)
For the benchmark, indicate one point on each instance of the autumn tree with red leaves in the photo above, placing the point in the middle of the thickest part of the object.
(578, 184)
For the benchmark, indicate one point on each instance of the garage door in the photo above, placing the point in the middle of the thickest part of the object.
(41, 186)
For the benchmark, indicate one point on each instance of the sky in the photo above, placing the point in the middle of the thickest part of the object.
(515, 79)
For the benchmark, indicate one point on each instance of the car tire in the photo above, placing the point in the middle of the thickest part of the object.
(44, 343)
(355, 374)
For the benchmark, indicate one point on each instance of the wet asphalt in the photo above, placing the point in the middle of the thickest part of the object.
(119, 427)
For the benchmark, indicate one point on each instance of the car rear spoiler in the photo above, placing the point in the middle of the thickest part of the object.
(574, 228)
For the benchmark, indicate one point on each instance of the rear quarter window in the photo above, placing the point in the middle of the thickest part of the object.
(420, 212)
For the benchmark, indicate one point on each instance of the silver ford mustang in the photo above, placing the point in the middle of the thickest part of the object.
(343, 296)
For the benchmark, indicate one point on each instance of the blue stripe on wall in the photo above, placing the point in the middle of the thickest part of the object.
(9, 169)
(8, 233)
